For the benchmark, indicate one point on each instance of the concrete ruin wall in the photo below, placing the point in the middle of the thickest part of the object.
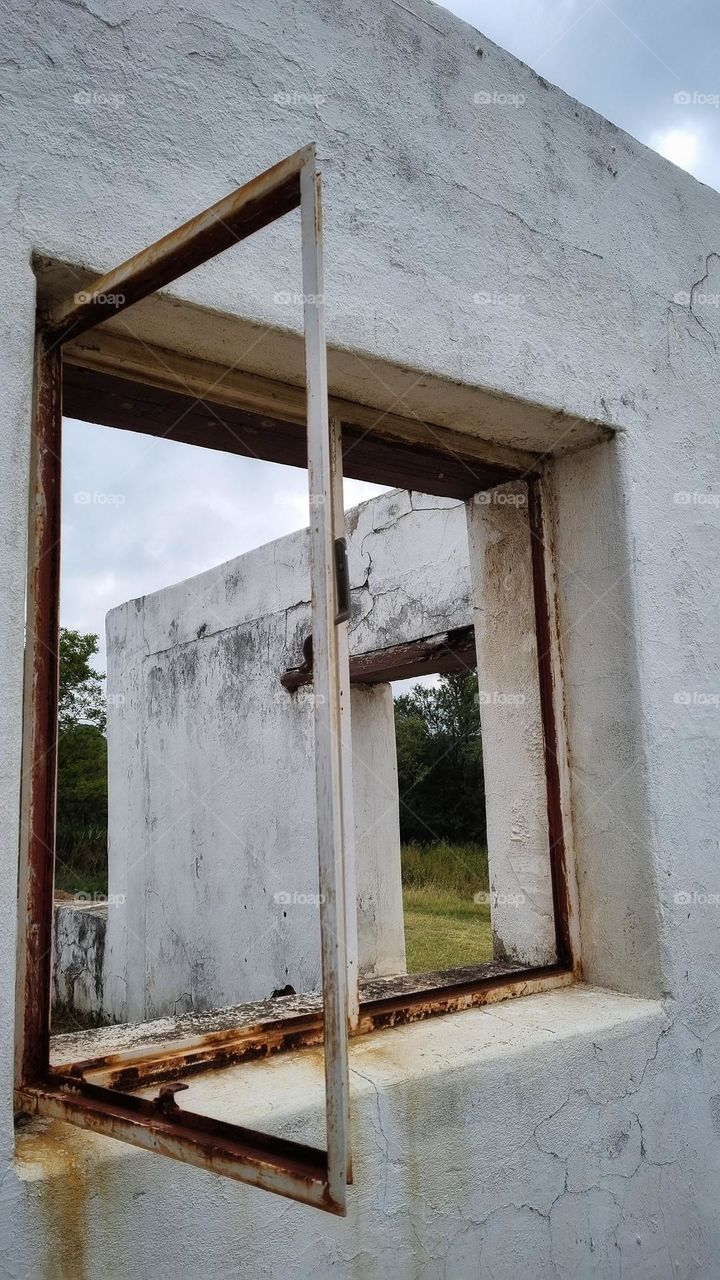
(579, 1128)
(521, 901)
(212, 843)
(214, 902)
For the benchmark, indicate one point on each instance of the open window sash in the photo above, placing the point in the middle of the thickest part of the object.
(292, 1169)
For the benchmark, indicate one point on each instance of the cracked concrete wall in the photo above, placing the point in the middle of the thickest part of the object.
(613, 250)
(543, 1137)
(211, 835)
(79, 932)
(408, 561)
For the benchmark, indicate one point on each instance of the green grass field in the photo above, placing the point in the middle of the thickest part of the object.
(444, 927)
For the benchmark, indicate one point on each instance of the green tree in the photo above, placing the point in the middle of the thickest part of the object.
(440, 770)
(81, 693)
(82, 767)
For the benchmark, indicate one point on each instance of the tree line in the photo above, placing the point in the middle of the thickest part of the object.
(440, 767)
(82, 789)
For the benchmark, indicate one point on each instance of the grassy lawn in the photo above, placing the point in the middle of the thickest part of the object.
(444, 927)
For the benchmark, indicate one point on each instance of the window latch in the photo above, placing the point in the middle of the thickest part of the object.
(342, 581)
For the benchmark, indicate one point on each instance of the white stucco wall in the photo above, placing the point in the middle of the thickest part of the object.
(599, 236)
(543, 1137)
(381, 934)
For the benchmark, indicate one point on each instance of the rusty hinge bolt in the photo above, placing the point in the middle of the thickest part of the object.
(165, 1100)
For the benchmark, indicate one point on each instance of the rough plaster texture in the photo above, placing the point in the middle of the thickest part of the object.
(78, 959)
(515, 797)
(381, 935)
(408, 559)
(599, 236)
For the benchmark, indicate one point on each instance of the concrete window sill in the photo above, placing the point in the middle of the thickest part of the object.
(512, 1059)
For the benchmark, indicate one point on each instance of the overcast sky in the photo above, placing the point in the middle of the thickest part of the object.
(141, 513)
(627, 59)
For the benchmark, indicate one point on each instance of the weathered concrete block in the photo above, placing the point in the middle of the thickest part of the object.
(78, 959)
(381, 936)
(212, 808)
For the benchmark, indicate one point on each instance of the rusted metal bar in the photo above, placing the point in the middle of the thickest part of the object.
(448, 651)
(558, 865)
(274, 1164)
(166, 1101)
(394, 1011)
(267, 197)
(39, 761)
(136, 1067)
(292, 182)
(383, 1002)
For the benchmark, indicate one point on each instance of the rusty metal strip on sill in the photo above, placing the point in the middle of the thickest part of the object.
(388, 1005)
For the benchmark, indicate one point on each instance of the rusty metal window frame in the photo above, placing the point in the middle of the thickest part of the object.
(304, 1173)
(90, 1092)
